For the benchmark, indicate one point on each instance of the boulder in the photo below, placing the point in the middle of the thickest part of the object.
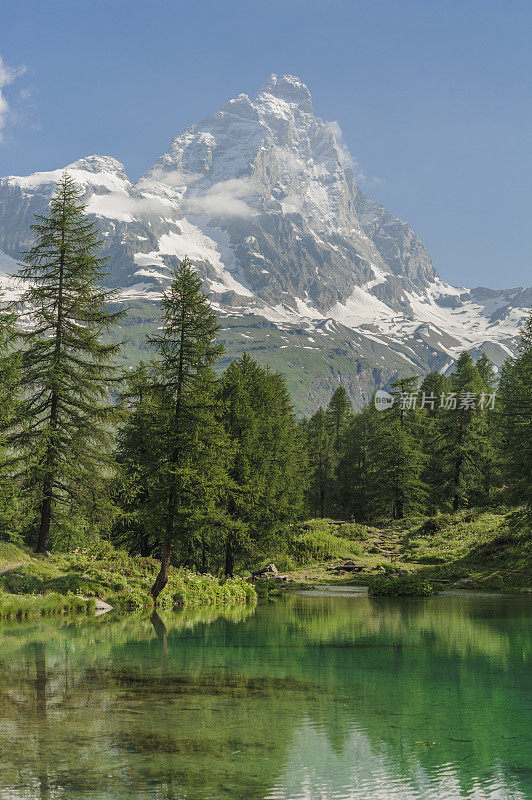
(269, 571)
(349, 566)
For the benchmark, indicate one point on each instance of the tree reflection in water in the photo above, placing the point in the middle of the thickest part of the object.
(311, 697)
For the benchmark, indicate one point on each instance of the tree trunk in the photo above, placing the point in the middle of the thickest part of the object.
(43, 544)
(162, 578)
(457, 474)
(229, 559)
(398, 509)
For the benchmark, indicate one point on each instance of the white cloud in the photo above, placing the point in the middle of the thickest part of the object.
(7, 76)
(347, 159)
(345, 156)
(116, 205)
(172, 177)
(223, 199)
(291, 161)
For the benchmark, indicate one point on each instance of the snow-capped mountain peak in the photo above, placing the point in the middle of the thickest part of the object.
(288, 88)
(262, 197)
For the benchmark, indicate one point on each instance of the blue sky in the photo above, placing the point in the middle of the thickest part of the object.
(433, 98)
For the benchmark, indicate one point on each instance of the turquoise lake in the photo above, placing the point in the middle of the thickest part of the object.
(314, 697)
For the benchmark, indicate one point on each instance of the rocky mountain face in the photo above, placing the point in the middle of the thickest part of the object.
(305, 270)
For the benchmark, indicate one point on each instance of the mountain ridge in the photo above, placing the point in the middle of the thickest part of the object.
(263, 199)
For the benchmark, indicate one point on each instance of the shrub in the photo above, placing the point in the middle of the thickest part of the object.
(283, 563)
(433, 525)
(405, 586)
(187, 589)
(319, 545)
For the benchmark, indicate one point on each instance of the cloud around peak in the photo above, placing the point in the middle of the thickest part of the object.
(223, 199)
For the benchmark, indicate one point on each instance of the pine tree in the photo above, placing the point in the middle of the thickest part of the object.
(432, 392)
(267, 469)
(189, 470)
(137, 441)
(351, 473)
(62, 433)
(486, 372)
(338, 412)
(514, 419)
(9, 386)
(463, 437)
(433, 386)
(321, 458)
(489, 461)
(395, 459)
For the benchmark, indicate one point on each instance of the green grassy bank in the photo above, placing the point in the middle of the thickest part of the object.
(66, 583)
(475, 549)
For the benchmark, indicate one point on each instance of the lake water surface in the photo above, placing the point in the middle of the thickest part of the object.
(310, 698)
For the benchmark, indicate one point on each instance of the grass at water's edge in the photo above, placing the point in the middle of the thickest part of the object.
(26, 606)
(68, 583)
(469, 549)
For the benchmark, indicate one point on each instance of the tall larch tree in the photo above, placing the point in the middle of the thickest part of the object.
(514, 419)
(61, 435)
(395, 459)
(136, 443)
(338, 414)
(268, 465)
(9, 387)
(462, 441)
(351, 472)
(190, 472)
(321, 459)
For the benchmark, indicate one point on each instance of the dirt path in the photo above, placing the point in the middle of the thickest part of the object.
(9, 567)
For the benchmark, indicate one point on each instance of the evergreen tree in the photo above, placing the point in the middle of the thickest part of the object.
(514, 419)
(462, 441)
(351, 474)
(189, 474)
(267, 469)
(137, 442)
(489, 462)
(432, 391)
(321, 459)
(433, 386)
(395, 459)
(61, 435)
(9, 383)
(486, 373)
(338, 413)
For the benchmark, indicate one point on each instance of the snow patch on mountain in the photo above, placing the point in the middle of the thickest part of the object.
(262, 197)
